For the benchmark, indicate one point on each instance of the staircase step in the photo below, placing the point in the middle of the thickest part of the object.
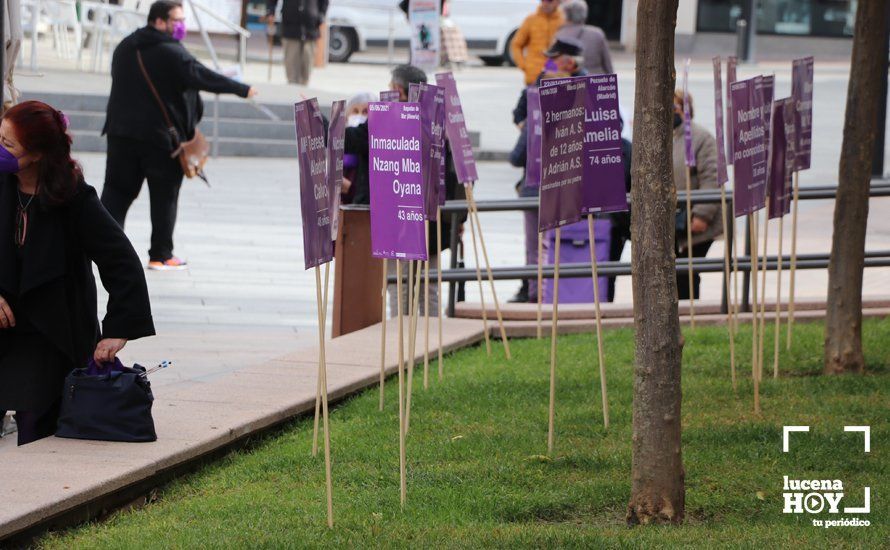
(87, 141)
(228, 127)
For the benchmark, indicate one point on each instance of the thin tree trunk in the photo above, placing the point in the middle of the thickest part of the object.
(658, 490)
(843, 321)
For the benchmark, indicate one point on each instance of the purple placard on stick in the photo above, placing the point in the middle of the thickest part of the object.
(335, 145)
(432, 115)
(687, 117)
(456, 130)
(533, 127)
(749, 150)
(781, 157)
(563, 108)
(802, 93)
(603, 186)
(722, 176)
(396, 180)
(315, 195)
(390, 95)
(731, 63)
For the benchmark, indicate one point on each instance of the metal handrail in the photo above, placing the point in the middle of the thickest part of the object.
(880, 188)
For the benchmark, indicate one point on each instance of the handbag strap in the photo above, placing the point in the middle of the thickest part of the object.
(170, 127)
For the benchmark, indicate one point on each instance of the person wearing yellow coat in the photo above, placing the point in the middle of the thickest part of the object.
(534, 37)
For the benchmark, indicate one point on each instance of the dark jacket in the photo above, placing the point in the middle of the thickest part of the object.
(133, 111)
(357, 144)
(520, 112)
(300, 19)
(56, 290)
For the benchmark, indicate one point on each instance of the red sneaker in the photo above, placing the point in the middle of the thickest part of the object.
(171, 264)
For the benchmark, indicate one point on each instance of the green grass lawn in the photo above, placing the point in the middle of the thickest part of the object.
(477, 473)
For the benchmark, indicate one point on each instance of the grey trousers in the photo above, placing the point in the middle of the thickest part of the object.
(299, 56)
(393, 294)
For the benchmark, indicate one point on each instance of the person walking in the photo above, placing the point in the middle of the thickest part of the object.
(140, 145)
(534, 36)
(707, 221)
(52, 230)
(300, 29)
(594, 46)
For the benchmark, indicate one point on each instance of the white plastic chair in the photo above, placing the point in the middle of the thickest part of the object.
(61, 16)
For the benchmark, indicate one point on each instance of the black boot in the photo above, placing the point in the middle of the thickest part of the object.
(521, 297)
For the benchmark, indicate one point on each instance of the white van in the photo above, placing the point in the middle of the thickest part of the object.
(487, 25)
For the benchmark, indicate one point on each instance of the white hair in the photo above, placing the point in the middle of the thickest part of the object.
(576, 11)
(359, 99)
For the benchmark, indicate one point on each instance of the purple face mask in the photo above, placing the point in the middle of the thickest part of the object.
(179, 30)
(9, 164)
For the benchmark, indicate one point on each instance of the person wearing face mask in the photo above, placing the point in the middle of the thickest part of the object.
(139, 142)
(52, 230)
(707, 223)
(357, 143)
(356, 114)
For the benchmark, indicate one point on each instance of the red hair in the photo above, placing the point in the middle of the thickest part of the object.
(43, 130)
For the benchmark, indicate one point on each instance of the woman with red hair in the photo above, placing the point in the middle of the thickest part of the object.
(52, 229)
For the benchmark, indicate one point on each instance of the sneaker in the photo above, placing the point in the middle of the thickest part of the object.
(171, 264)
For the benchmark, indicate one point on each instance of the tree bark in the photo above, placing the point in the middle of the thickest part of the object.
(843, 321)
(658, 489)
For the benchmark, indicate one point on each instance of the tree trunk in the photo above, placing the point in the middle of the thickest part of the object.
(843, 321)
(658, 490)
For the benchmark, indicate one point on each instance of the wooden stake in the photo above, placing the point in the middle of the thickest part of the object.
(414, 314)
(730, 327)
(478, 272)
(793, 260)
(753, 225)
(735, 274)
(319, 377)
(689, 244)
(599, 322)
(778, 302)
(439, 282)
(403, 485)
(553, 333)
(494, 294)
(540, 279)
(383, 334)
(324, 393)
(426, 311)
(762, 334)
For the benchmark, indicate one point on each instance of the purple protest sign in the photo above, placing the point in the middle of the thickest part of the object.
(722, 176)
(802, 93)
(335, 145)
(456, 130)
(604, 189)
(563, 108)
(432, 116)
(749, 150)
(390, 95)
(731, 77)
(687, 118)
(396, 181)
(533, 127)
(782, 157)
(315, 200)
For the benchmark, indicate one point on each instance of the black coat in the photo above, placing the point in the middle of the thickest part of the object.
(357, 143)
(56, 290)
(133, 111)
(300, 19)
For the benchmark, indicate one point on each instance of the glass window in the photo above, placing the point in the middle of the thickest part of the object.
(789, 17)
